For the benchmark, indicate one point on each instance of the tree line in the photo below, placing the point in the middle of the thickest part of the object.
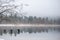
(14, 18)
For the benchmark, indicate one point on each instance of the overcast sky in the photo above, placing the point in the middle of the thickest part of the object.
(42, 8)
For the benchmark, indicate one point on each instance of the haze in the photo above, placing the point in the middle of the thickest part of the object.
(41, 8)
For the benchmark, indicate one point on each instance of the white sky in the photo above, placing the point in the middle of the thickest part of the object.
(42, 8)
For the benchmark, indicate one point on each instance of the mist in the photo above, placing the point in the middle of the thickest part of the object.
(41, 8)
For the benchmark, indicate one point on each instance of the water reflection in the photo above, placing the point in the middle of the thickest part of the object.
(29, 30)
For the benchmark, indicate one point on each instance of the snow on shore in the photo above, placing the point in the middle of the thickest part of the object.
(33, 25)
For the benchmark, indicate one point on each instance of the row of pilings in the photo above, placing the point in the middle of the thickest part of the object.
(18, 30)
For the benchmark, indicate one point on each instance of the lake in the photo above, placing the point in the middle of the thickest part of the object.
(51, 35)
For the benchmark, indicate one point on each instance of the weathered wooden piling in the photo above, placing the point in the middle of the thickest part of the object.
(27, 28)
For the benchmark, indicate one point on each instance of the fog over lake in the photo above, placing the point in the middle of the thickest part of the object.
(33, 23)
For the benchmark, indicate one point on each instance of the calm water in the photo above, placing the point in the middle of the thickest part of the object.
(52, 35)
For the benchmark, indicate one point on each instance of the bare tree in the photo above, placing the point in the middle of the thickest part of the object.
(7, 9)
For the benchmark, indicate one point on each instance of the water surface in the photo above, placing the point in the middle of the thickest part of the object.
(52, 35)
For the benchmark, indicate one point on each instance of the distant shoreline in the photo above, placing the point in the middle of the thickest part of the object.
(32, 25)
